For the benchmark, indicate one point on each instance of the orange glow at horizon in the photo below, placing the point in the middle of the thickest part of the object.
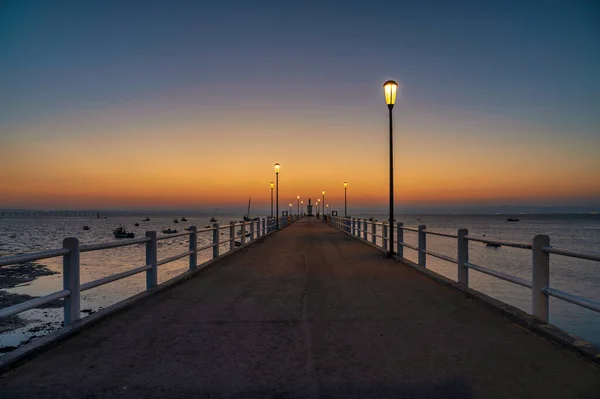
(206, 164)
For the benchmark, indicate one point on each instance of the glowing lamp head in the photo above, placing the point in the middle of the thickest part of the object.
(301, 202)
(277, 166)
(389, 88)
(345, 184)
(297, 197)
(323, 192)
(272, 184)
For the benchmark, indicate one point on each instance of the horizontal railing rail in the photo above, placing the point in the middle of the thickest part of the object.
(249, 231)
(53, 253)
(539, 246)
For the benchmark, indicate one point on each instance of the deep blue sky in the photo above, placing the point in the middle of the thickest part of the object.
(495, 56)
(463, 66)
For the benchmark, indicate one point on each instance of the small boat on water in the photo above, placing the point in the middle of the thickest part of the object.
(175, 221)
(137, 224)
(492, 245)
(213, 220)
(207, 226)
(146, 220)
(86, 227)
(512, 219)
(183, 219)
(169, 231)
(120, 232)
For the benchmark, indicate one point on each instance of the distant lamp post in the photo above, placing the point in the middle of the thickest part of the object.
(328, 211)
(323, 193)
(272, 185)
(302, 205)
(345, 200)
(277, 166)
(389, 88)
(298, 198)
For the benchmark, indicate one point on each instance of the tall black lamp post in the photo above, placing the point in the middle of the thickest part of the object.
(389, 88)
(277, 166)
(323, 206)
(345, 200)
(298, 198)
(272, 185)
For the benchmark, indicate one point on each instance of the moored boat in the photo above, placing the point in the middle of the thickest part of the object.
(512, 219)
(169, 231)
(121, 232)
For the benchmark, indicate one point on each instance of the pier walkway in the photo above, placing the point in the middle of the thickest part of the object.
(306, 312)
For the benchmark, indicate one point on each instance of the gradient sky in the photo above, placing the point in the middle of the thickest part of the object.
(117, 104)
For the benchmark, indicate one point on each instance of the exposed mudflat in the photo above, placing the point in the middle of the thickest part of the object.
(18, 275)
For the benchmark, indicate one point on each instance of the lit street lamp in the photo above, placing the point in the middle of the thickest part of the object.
(328, 211)
(323, 192)
(298, 198)
(277, 166)
(302, 204)
(345, 201)
(272, 185)
(389, 88)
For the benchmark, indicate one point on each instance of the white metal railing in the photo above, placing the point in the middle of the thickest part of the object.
(72, 286)
(539, 246)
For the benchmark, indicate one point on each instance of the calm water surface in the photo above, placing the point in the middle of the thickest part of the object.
(580, 277)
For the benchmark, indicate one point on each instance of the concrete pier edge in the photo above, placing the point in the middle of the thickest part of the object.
(30, 350)
(572, 342)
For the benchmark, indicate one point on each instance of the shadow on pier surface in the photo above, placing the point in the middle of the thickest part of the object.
(306, 312)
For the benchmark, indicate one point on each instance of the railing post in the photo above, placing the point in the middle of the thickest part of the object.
(193, 247)
(151, 260)
(400, 238)
(422, 246)
(216, 241)
(243, 237)
(540, 277)
(384, 234)
(264, 227)
(252, 230)
(463, 257)
(373, 232)
(231, 236)
(365, 229)
(71, 281)
(258, 231)
(353, 226)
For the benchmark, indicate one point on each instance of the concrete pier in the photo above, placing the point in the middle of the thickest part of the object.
(306, 312)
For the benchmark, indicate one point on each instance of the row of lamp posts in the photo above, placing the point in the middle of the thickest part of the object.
(390, 89)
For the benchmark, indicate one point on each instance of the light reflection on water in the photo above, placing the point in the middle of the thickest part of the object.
(580, 277)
